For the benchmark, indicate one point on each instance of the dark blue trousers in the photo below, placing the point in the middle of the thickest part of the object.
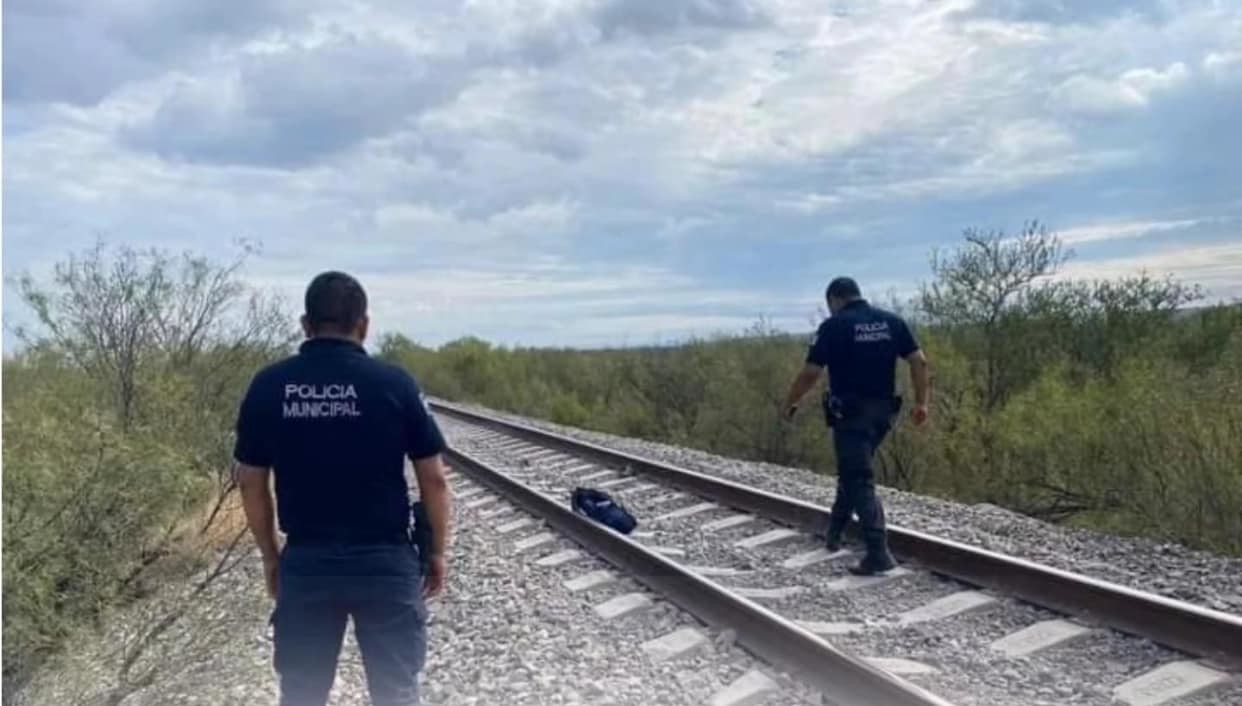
(855, 440)
(321, 586)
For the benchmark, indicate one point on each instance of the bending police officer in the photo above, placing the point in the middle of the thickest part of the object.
(334, 426)
(859, 345)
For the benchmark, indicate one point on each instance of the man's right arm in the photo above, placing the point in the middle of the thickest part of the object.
(253, 455)
(812, 369)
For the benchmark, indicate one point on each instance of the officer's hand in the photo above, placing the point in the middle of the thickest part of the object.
(919, 414)
(271, 576)
(433, 582)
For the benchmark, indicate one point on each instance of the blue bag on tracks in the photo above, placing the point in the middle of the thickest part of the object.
(601, 507)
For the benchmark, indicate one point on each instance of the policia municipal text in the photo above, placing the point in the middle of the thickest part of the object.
(859, 345)
(334, 426)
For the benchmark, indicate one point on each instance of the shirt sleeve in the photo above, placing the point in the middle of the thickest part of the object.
(422, 434)
(817, 354)
(253, 444)
(904, 338)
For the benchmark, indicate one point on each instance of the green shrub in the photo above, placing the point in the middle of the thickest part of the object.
(1103, 404)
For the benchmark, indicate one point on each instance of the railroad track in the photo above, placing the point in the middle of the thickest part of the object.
(749, 561)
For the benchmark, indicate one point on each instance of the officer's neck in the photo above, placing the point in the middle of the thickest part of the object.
(334, 336)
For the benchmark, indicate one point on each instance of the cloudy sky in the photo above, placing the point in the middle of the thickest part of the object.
(588, 172)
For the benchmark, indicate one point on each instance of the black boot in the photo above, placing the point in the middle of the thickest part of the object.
(877, 560)
(834, 543)
(836, 533)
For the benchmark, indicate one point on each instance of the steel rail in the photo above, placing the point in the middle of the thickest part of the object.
(841, 678)
(1200, 631)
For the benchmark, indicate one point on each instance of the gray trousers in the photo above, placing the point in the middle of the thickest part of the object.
(321, 586)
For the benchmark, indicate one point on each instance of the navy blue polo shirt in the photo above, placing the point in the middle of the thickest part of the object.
(860, 346)
(335, 425)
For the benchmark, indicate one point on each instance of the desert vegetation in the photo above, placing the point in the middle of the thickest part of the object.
(1110, 404)
(1105, 404)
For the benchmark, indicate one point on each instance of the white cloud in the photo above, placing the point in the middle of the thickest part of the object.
(1133, 89)
(610, 306)
(1221, 64)
(1119, 230)
(1148, 81)
(811, 203)
(618, 16)
(1015, 162)
(515, 228)
(1007, 33)
(716, 157)
(297, 105)
(1218, 268)
(1029, 139)
(78, 53)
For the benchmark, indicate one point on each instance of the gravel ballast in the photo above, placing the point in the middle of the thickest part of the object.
(509, 630)
(1171, 570)
(957, 648)
(512, 632)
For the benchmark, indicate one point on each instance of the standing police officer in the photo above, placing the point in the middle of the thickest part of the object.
(335, 427)
(859, 345)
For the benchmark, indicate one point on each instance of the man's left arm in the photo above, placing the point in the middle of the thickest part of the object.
(920, 376)
(425, 446)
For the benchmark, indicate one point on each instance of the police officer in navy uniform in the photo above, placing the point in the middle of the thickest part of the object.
(859, 344)
(334, 427)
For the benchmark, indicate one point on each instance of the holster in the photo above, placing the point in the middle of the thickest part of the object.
(420, 534)
(834, 410)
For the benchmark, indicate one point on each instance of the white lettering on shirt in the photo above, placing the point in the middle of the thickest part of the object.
(872, 332)
(317, 401)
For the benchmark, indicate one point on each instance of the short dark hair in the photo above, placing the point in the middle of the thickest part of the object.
(335, 300)
(843, 288)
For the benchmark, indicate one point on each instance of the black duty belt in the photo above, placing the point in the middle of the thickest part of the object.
(311, 540)
(838, 408)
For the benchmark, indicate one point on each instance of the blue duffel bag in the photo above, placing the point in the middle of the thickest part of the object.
(601, 507)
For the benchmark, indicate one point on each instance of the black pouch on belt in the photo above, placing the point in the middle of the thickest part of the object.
(835, 409)
(420, 534)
